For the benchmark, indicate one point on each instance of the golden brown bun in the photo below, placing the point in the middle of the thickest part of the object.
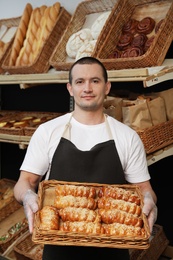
(49, 218)
(20, 34)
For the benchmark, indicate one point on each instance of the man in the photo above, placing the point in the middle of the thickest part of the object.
(85, 146)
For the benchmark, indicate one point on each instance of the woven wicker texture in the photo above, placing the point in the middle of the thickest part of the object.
(9, 23)
(41, 64)
(57, 237)
(156, 53)
(157, 137)
(59, 57)
(8, 204)
(25, 248)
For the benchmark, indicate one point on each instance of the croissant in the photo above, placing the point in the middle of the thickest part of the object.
(110, 203)
(49, 218)
(71, 201)
(81, 226)
(119, 193)
(79, 214)
(122, 230)
(121, 217)
(77, 191)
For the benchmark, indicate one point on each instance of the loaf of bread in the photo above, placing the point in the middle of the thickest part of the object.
(25, 55)
(20, 34)
(77, 191)
(49, 218)
(86, 50)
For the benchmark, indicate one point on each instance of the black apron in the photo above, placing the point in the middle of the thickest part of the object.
(101, 164)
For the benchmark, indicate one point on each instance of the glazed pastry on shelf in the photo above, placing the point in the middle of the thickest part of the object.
(139, 40)
(124, 41)
(132, 52)
(130, 26)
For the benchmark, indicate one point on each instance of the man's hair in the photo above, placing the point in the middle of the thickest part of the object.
(88, 60)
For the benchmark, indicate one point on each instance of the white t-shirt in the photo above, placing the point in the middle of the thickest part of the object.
(47, 136)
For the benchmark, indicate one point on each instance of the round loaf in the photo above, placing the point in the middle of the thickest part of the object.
(86, 49)
(99, 24)
(76, 40)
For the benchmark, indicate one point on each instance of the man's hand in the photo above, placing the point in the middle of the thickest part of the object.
(30, 204)
(150, 210)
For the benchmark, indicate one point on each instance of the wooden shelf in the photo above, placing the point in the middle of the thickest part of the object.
(149, 76)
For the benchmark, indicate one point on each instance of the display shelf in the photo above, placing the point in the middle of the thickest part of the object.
(160, 154)
(149, 76)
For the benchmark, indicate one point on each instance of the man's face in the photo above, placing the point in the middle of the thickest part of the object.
(88, 86)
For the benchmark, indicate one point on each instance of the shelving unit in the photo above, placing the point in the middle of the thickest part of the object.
(149, 77)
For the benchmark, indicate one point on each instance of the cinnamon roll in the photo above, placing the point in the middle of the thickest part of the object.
(124, 41)
(146, 25)
(158, 25)
(132, 52)
(130, 26)
(148, 43)
(139, 40)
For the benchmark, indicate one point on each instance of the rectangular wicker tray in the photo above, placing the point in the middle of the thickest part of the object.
(41, 65)
(59, 59)
(8, 204)
(56, 237)
(157, 137)
(155, 55)
(25, 248)
(9, 23)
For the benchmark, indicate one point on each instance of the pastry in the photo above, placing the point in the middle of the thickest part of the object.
(124, 41)
(71, 201)
(76, 40)
(49, 218)
(146, 25)
(132, 52)
(79, 214)
(98, 25)
(139, 40)
(77, 191)
(158, 25)
(130, 26)
(81, 226)
(148, 43)
(117, 229)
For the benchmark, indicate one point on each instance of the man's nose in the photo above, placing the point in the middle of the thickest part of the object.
(88, 86)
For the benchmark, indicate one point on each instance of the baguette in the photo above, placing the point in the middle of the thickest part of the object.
(20, 34)
(24, 57)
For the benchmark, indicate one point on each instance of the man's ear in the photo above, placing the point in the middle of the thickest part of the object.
(69, 88)
(108, 88)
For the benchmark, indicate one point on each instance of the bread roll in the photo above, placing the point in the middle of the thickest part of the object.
(86, 50)
(49, 218)
(20, 34)
(81, 226)
(77, 191)
(99, 24)
(76, 40)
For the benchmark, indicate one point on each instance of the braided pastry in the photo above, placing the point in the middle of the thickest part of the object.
(79, 214)
(82, 191)
(20, 34)
(81, 226)
(71, 201)
(49, 218)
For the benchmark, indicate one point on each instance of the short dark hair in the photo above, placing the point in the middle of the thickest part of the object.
(88, 60)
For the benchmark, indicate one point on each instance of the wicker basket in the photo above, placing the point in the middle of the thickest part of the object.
(9, 23)
(26, 249)
(46, 195)
(157, 137)
(41, 64)
(28, 117)
(10, 204)
(158, 244)
(156, 53)
(59, 59)
(4, 244)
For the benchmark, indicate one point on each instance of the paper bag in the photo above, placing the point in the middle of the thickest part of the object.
(167, 96)
(113, 107)
(157, 110)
